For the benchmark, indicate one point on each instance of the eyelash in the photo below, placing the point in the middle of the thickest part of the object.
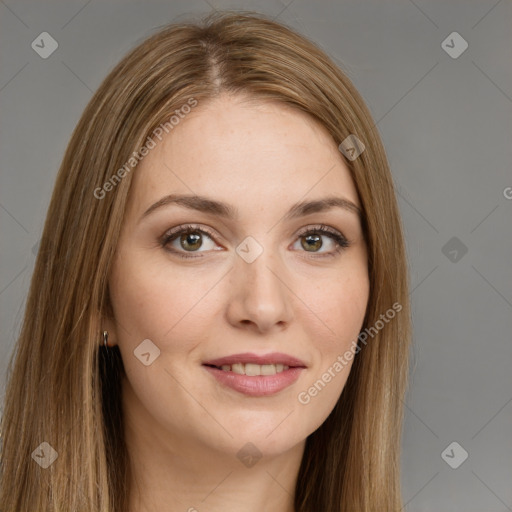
(341, 241)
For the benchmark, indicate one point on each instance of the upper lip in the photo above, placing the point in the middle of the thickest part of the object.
(247, 357)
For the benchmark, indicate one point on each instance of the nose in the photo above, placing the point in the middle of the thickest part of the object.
(259, 297)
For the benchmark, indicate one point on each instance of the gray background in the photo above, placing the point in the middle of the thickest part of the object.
(446, 124)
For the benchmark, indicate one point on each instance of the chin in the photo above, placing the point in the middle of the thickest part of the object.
(271, 432)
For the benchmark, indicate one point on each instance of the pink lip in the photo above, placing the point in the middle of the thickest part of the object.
(247, 357)
(258, 385)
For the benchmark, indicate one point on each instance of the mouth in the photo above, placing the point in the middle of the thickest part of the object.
(256, 375)
(276, 359)
(251, 369)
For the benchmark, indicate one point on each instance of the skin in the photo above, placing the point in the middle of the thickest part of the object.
(183, 428)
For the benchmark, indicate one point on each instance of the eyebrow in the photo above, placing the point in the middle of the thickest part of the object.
(213, 207)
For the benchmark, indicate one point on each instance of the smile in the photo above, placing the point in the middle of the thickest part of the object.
(252, 369)
(255, 375)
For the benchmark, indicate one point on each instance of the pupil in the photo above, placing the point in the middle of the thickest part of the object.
(316, 242)
(192, 240)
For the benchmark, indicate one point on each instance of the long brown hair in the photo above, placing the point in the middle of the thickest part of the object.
(64, 389)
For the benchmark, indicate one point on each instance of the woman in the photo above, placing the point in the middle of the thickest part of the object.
(218, 317)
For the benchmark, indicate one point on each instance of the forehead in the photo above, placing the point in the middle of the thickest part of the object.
(243, 151)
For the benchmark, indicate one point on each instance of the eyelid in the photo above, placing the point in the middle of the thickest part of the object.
(189, 227)
(320, 228)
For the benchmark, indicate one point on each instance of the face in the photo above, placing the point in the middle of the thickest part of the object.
(213, 299)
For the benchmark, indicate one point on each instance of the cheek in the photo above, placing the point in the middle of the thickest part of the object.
(341, 305)
(139, 303)
(154, 300)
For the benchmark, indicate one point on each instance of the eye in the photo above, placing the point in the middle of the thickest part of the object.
(311, 240)
(188, 238)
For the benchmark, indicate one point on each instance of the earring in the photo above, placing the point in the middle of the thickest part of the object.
(105, 339)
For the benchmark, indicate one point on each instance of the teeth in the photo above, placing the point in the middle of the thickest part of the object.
(253, 370)
(238, 368)
(268, 369)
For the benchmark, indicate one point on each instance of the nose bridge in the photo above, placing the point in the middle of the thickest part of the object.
(261, 295)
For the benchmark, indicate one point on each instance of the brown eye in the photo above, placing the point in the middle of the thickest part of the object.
(312, 241)
(191, 241)
(188, 239)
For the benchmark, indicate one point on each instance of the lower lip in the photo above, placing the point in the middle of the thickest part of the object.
(259, 385)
